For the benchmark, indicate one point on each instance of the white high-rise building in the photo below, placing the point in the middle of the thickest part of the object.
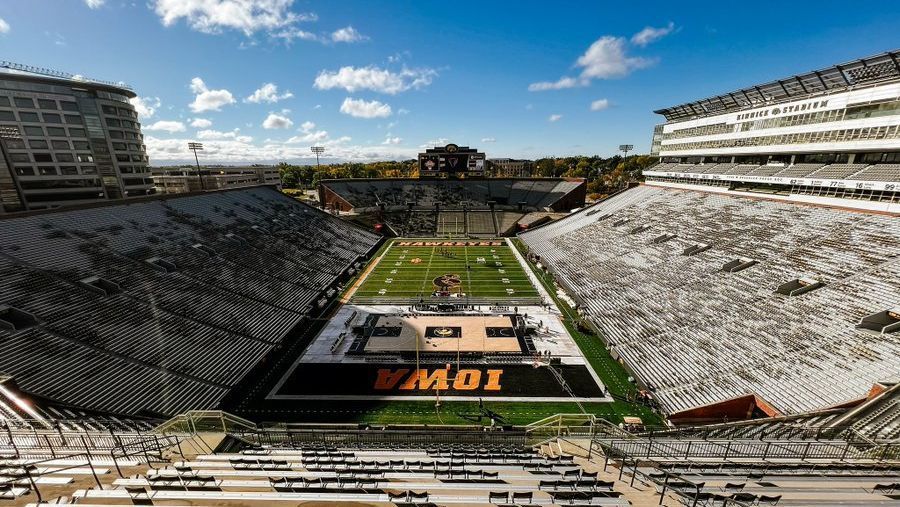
(67, 140)
(832, 133)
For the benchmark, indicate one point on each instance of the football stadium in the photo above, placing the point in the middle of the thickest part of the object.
(723, 329)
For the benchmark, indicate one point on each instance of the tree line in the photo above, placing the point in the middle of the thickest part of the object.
(604, 175)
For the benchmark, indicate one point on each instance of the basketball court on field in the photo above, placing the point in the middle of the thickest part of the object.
(436, 333)
(463, 317)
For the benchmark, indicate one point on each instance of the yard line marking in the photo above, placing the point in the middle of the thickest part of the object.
(363, 277)
(427, 271)
(468, 273)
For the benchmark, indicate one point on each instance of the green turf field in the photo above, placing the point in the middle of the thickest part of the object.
(406, 273)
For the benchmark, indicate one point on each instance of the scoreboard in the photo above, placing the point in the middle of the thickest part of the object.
(451, 161)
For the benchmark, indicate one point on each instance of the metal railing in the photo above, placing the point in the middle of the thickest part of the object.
(28, 461)
(58, 74)
(582, 426)
(204, 421)
(756, 429)
(661, 449)
(362, 436)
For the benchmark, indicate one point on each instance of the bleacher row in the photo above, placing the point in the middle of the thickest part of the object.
(288, 476)
(647, 267)
(878, 418)
(426, 224)
(857, 172)
(801, 460)
(708, 485)
(535, 193)
(164, 305)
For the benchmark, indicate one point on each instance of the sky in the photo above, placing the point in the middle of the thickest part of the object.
(260, 81)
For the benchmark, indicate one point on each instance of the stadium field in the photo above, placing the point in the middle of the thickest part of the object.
(483, 271)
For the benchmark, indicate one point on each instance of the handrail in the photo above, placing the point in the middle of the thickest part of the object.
(557, 418)
(195, 421)
(727, 448)
(847, 432)
(373, 436)
(560, 425)
(148, 448)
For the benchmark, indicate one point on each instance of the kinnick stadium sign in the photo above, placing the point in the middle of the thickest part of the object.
(783, 109)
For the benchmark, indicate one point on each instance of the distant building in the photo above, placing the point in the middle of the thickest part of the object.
(510, 167)
(67, 140)
(844, 114)
(179, 180)
(830, 136)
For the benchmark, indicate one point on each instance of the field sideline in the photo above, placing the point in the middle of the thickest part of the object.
(610, 371)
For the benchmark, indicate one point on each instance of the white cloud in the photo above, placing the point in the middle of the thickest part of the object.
(347, 34)
(145, 106)
(289, 35)
(441, 141)
(560, 84)
(306, 16)
(309, 135)
(242, 150)
(214, 16)
(317, 106)
(218, 135)
(95, 4)
(488, 140)
(392, 140)
(373, 78)
(360, 108)
(277, 121)
(58, 38)
(268, 92)
(166, 126)
(606, 59)
(650, 34)
(4, 26)
(554, 118)
(599, 104)
(317, 136)
(208, 100)
(201, 123)
(398, 56)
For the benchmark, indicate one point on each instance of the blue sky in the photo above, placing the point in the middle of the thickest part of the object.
(379, 80)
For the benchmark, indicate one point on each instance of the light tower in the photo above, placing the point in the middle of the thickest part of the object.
(625, 148)
(318, 150)
(195, 147)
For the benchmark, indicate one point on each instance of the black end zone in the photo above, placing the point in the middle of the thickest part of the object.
(378, 380)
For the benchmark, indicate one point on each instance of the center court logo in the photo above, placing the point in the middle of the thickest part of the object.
(447, 282)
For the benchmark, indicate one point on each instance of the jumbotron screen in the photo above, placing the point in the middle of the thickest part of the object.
(451, 159)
